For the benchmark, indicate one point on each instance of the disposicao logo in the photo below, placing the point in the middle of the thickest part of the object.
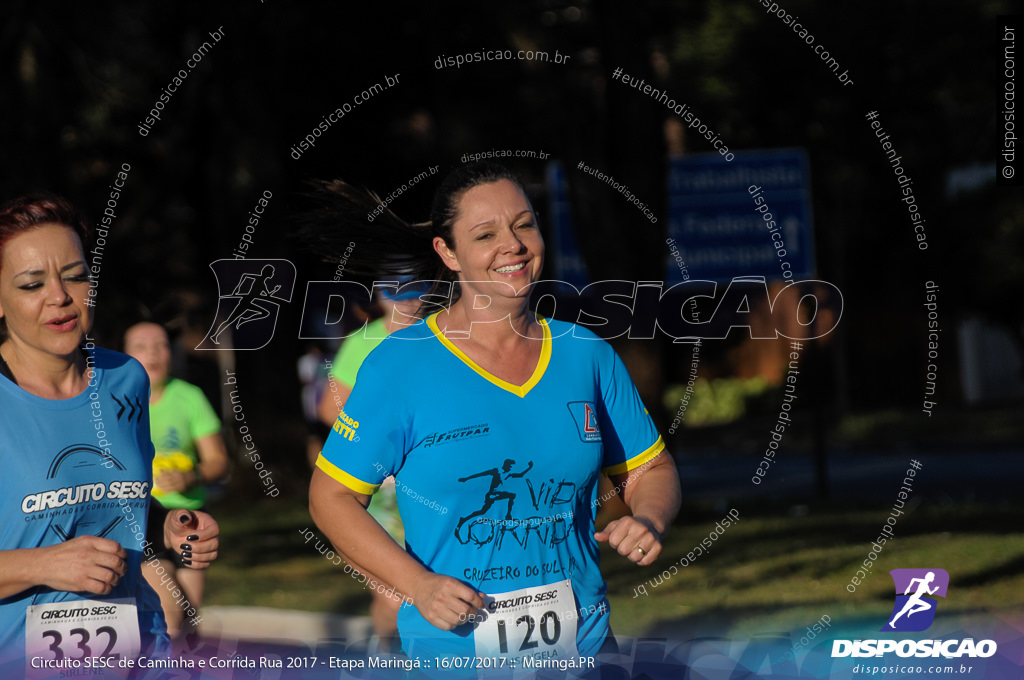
(257, 288)
(913, 611)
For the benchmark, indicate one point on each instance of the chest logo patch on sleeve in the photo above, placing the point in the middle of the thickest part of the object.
(584, 414)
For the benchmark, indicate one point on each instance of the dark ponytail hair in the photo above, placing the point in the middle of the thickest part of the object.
(340, 226)
(445, 207)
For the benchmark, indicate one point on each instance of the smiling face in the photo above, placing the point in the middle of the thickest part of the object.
(148, 343)
(496, 239)
(44, 284)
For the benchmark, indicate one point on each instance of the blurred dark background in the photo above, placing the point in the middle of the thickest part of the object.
(76, 81)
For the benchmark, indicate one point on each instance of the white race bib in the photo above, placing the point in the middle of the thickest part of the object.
(538, 622)
(76, 629)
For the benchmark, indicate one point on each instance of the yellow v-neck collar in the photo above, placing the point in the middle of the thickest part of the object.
(518, 390)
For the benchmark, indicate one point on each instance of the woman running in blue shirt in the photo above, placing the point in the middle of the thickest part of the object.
(495, 424)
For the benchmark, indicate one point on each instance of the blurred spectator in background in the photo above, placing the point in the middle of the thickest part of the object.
(190, 453)
(313, 370)
(399, 310)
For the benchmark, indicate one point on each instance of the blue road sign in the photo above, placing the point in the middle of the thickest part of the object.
(721, 230)
(569, 264)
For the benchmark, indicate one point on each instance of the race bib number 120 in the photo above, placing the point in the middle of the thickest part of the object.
(76, 629)
(538, 622)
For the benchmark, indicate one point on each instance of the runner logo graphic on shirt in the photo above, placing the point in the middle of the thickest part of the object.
(513, 505)
(584, 414)
(257, 290)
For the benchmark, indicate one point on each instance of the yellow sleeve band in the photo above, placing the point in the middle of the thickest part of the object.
(635, 461)
(342, 477)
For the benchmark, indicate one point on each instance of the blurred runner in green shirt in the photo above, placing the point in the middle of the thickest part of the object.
(190, 454)
(400, 310)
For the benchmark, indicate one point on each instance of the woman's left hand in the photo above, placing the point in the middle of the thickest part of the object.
(194, 534)
(634, 538)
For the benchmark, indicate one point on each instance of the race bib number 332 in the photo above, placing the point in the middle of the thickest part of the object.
(76, 629)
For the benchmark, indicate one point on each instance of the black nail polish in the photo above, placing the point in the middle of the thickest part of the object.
(186, 555)
(193, 537)
(186, 546)
(187, 563)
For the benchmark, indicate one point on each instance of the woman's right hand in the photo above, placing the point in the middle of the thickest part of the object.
(87, 564)
(446, 602)
(175, 481)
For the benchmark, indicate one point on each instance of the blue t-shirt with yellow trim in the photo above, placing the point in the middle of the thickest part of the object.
(493, 478)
